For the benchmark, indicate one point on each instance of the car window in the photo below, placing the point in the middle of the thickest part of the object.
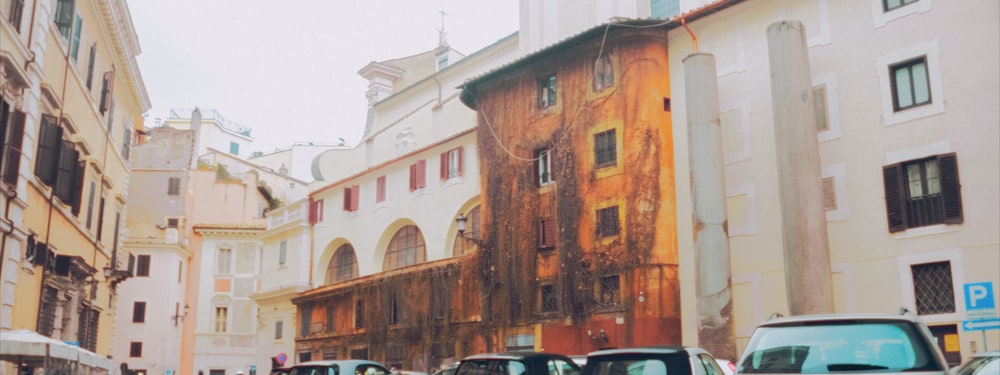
(711, 366)
(838, 347)
(492, 367)
(630, 367)
(561, 367)
(370, 370)
(315, 370)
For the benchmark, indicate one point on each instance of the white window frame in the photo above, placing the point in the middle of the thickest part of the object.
(839, 174)
(909, 299)
(545, 167)
(282, 252)
(880, 17)
(228, 261)
(453, 163)
(832, 131)
(930, 51)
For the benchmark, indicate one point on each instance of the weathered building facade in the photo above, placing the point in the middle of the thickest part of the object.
(72, 102)
(578, 193)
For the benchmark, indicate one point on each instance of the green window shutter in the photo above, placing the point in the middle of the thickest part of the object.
(49, 145)
(951, 189)
(892, 176)
(68, 160)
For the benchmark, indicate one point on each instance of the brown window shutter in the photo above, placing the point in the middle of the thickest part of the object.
(444, 165)
(421, 173)
(413, 177)
(312, 212)
(107, 91)
(461, 157)
(380, 189)
(77, 195)
(12, 157)
(894, 197)
(355, 197)
(49, 144)
(546, 233)
(951, 189)
(535, 170)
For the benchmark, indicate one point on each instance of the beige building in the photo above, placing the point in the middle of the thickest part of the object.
(73, 100)
(905, 106)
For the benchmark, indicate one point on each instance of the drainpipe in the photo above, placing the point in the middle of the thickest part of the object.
(803, 219)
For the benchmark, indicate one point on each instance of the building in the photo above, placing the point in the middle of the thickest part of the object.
(72, 101)
(887, 250)
(295, 161)
(216, 131)
(576, 153)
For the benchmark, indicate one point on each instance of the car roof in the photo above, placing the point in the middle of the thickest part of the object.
(991, 353)
(837, 318)
(340, 362)
(647, 350)
(514, 355)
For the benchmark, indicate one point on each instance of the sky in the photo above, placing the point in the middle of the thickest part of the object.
(288, 69)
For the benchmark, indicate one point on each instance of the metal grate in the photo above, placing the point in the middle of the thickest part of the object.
(47, 313)
(933, 289)
(610, 290)
(547, 293)
(607, 221)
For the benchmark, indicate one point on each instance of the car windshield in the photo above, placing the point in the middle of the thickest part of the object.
(629, 367)
(493, 367)
(830, 347)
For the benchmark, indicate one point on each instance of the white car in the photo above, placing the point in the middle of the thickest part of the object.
(728, 367)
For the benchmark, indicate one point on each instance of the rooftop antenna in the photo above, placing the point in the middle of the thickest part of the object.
(442, 36)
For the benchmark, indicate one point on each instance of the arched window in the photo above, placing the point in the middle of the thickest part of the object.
(406, 248)
(343, 265)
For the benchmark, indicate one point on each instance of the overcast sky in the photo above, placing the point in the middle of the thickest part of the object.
(288, 69)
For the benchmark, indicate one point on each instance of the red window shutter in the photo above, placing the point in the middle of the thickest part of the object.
(380, 189)
(347, 199)
(355, 197)
(895, 209)
(546, 233)
(312, 212)
(421, 173)
(460, 158)
(319, 211)
(413, 177)
(951, 190)
(444, 165)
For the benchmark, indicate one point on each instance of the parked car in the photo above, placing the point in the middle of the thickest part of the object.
(728, 367)
(579, 359)
(339, 367)
(667, 360)
(517, 363)
(448, 369)
(982, 363)
(280, 371)
(821, 344)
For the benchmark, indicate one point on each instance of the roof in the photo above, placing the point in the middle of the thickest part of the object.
(641, 350)
(339, 362)
(513, 355)
(805, 319)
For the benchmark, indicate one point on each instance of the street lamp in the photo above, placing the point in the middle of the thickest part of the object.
(460, 223)
(178, 316)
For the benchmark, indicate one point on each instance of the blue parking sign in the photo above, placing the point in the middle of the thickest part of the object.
(979, 296)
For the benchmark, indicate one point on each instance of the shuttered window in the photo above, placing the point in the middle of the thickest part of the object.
(12, 131)
(418, 175)
(451, 163)
(49, 145)
(380, 189)
(605, 149)
(352, 198)
(546, 233)
(923, 192)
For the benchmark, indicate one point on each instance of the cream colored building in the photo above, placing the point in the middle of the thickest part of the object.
(73, 99)
(879, 262)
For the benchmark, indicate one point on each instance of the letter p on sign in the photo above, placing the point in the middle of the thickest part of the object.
(979, 296)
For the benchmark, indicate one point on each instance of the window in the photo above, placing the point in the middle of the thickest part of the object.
(305, 320)
(74, 49)
(546, 233)
(64, 17)
(819, 103)
(331, 315)
(418, 175)
(142, 266)
(221, 319)
(888, 5)
(12, 131)
(439, 299)
(395, 310)
(910, 84)
(234, 148)
(139, 312)
(380, 189)
(47, 311)
(278, 327)
(282, 252)
(174, 186)
(224, 263)
(69, 176)
(543, 166)
(90, 66)
(604, 73)
(607, 222)
(395, 355)
(351, 198)
(520, 343)
(87, 332)
(49, 144)
(316, 211)
(90, 204)
(829, 194)
(127, 143)
(107, 91)
(609, 290)
(343, 265)
(180, 270)
(605, 149)
(451, 163)
(359, 315)
(172, 222)
(923, 192)
(547, 92)
(405, 249)
(547, 298)
(135, 349)
(16, 10)
(933, 289)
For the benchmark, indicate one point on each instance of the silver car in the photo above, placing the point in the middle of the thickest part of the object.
(339, 367)
(843, 343)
